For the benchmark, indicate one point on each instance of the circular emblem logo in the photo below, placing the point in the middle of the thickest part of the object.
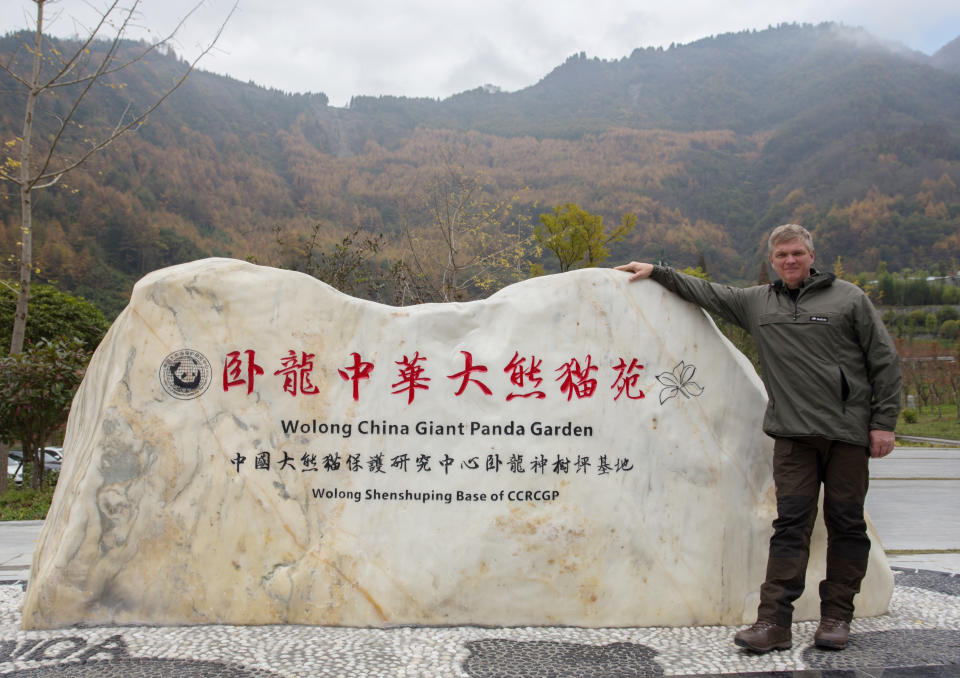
(185, 374)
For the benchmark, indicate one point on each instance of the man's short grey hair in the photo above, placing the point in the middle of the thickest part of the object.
(789, 232)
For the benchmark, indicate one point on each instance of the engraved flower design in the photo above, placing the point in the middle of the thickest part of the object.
(680, 380)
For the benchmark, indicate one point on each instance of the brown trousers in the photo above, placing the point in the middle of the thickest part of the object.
(800, 465)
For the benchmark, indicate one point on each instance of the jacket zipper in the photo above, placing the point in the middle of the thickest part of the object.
(796, 304)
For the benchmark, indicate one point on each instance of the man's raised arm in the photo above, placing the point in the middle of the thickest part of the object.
(723, 300)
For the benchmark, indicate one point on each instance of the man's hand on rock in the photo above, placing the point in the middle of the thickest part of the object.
(638, 270)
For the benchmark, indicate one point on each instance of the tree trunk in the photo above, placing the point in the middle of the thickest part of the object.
(26, 263)
(26, 189)
(4, 457)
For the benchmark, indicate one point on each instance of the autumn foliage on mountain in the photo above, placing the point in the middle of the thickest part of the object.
(708, 144)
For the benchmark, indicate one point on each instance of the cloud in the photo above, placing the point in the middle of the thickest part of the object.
(437, 48)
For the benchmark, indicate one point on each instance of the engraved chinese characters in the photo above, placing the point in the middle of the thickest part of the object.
(572, 450)
(240, 369)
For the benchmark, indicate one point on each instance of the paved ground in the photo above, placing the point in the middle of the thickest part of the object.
(914, 502)
(17, 541)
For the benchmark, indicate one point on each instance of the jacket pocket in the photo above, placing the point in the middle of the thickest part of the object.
(844, 390)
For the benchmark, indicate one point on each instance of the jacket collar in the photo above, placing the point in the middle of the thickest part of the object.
(815, 280)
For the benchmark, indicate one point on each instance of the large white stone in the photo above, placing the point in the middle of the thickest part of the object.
(155, 521)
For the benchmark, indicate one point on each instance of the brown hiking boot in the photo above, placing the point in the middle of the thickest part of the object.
(832, 634)
(764, 636)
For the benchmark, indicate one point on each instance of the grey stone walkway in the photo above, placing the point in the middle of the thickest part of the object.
(914, 502)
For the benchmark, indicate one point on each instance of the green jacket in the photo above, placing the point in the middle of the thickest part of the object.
(829, 366)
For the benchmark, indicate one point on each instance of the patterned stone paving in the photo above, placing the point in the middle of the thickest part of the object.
(498, 657)
(919, 638)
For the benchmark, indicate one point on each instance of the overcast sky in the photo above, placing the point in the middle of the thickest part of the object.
(436, 48)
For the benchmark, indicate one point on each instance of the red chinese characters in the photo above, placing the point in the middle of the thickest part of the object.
(411, 376)
(464, 375)
(627, 378)
(575, 379)
(296, 373)
(520, 374)
(234, 373)
(354, 373)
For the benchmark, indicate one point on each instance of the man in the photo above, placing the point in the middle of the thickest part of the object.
(833, 380)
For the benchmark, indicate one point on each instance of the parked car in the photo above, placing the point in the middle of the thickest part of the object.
(52, 457)
(15, 470)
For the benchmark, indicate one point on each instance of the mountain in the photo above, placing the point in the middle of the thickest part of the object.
(948, 56)
(747, 82)
(710, 144)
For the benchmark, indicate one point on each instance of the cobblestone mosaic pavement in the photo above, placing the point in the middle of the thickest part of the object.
(919, 638)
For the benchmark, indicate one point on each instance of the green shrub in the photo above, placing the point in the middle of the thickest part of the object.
(909, 416)
(950, 329)
(948, 313)
(26, 503)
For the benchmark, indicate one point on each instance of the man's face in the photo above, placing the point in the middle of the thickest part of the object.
(791, 260)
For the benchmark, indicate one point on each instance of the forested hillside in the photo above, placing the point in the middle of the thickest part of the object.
(709, 144)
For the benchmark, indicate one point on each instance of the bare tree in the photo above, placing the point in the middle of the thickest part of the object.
(912, 381)
(937, 392)
(37, 161)
(953, 379)
(43, 160)
(469, 244)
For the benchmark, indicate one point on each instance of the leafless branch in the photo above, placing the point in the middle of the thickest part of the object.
(91, 36)
(45, 179)
(152, 47)
(13, 74)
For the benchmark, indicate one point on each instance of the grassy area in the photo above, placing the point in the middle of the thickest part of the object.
(931, 425)
(26, 504)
